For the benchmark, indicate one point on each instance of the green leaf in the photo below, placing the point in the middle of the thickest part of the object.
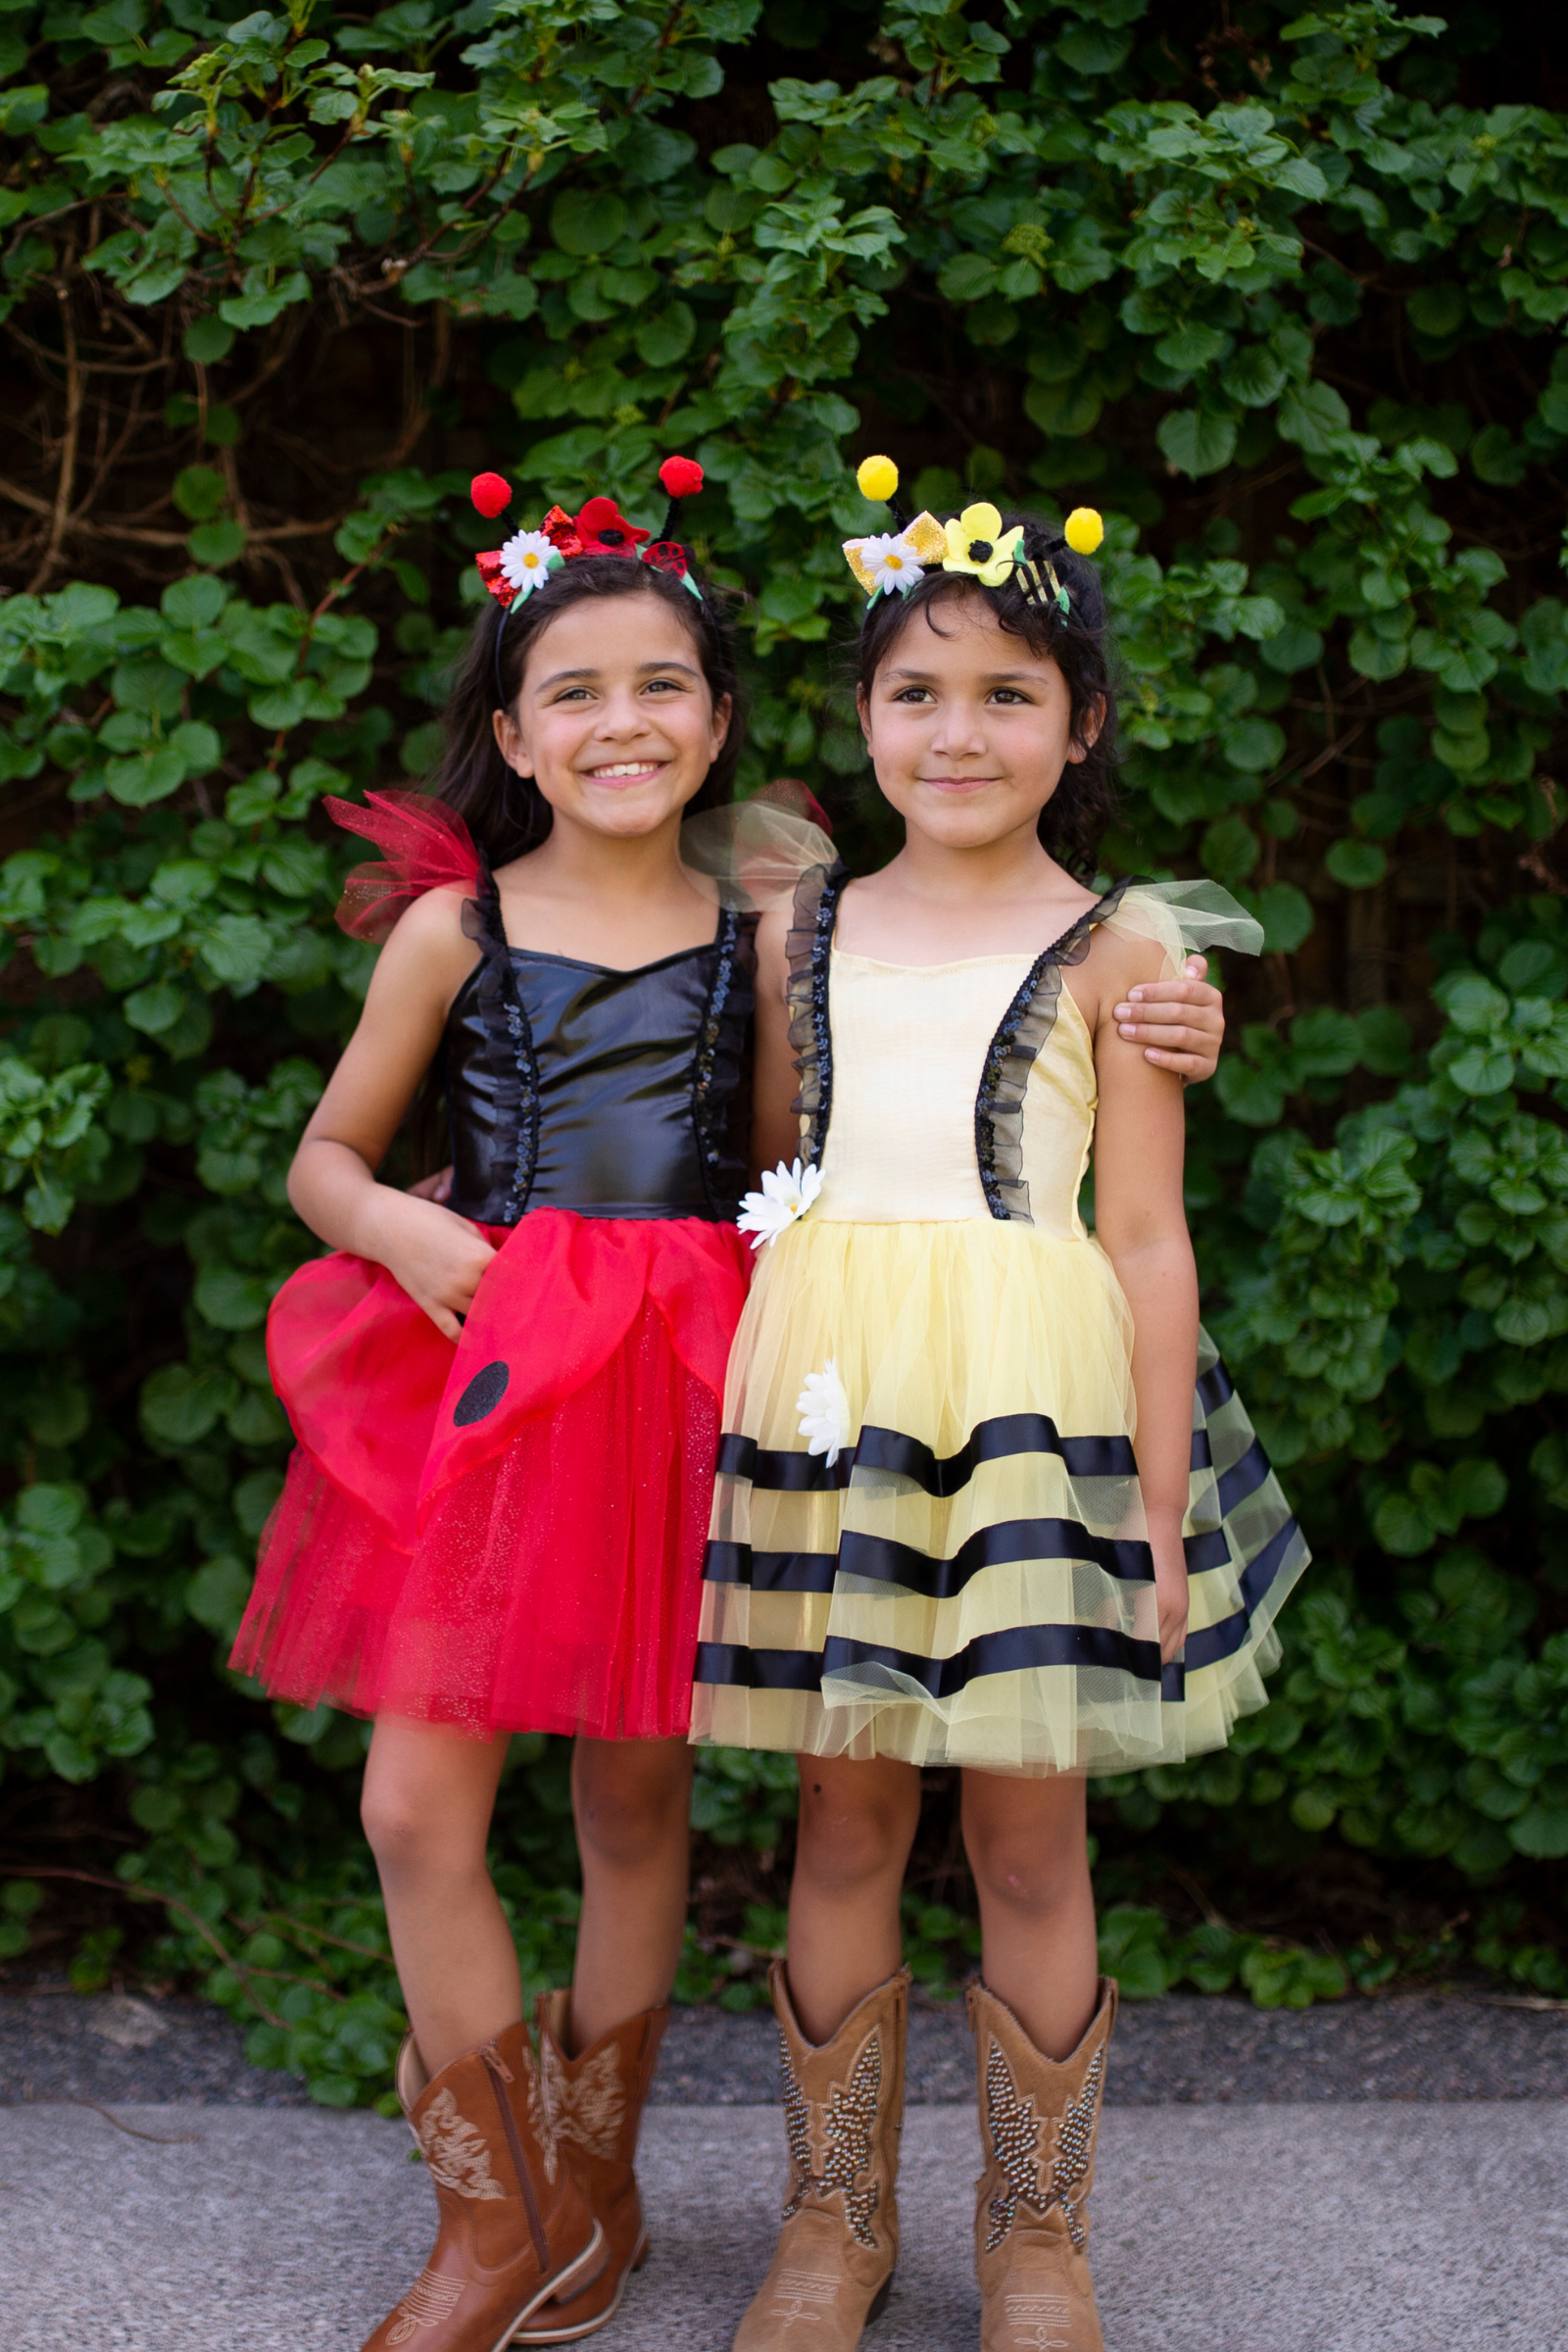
(1541, 1832)
(1315, 417)
(206, 341)
(668, 337)
(199, 492)
(1253, 745)
(1095, 49)
(180, 1405)
(155, 1010)
(1482, 1071)
(218, 543)
(232, 1300)
(1196, 442)
(1357, 864)
(587, 221)
(217, 1595)
(1286, 914)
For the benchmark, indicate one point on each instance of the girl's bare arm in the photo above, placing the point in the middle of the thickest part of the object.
(1142, 1226)
(775, 1127)
(437, 1257)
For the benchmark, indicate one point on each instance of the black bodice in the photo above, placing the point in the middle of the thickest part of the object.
(614, 1093)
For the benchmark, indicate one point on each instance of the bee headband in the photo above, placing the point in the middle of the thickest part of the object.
(975, 543)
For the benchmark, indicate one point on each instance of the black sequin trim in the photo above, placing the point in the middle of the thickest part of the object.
(810, 950)
(498, 991)
(1021, 1036)
(709, 1106)
(521, 1034)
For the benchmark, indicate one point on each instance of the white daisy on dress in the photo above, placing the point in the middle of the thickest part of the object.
(823, 1405)
(785, 1196)
(527, 560)
(891, 563)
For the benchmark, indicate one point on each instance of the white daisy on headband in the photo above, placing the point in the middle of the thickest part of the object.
(527, 560)
(891, 561)
(785, 1196)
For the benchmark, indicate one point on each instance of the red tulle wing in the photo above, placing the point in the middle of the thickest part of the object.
(426, 844)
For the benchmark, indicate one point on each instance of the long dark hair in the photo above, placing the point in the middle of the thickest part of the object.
(507, 814)
(1084, 802)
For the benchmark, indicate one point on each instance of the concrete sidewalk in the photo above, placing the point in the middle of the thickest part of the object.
(1395, 2228)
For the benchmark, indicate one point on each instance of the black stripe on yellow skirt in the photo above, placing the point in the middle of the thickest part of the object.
(881, 1560)
(785, 1471)
(1011, 1650)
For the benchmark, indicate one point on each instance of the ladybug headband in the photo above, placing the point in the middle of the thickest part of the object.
(974, 542)
(528, 559)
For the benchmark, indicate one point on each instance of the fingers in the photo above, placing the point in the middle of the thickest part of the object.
(448, 1325)
(436, 1188)
(1183, 1065)
(1172, 999)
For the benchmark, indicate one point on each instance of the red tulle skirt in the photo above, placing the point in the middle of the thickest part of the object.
(504, 1535)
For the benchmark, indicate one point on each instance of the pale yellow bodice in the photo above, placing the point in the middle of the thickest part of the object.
(909, 1046)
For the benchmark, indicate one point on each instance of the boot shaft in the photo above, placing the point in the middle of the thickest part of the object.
(491, 2155)
(844, 2110)
(1039, 2120)
(595, 2101)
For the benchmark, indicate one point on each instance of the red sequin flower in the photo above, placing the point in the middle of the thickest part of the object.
(604, 531)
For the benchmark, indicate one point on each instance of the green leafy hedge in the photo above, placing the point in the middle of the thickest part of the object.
(1283, 295)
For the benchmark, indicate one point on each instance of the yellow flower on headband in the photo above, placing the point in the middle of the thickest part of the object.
(978, 545)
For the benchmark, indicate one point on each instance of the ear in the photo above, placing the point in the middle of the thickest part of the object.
(862, 711)
(509, 742)
(1087, 732)
(724, 708)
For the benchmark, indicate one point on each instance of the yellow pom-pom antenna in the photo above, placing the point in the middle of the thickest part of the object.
(1083, 531)
(876, 477)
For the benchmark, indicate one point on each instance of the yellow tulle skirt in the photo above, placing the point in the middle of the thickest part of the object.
(970, 1581)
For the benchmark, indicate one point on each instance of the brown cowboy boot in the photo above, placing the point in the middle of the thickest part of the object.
(514, 2226)
(1038, 2121)
(596, 2104)
(843, 2111)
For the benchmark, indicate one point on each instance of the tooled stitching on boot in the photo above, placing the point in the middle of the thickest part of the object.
(849, 2119)
(591, 2109)
(1015, 2137)
(800, 2295)
(431, 2299)
(1034, 2321)
(455, 2150)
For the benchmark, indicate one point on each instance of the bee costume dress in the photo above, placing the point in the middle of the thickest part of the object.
(969, 1580)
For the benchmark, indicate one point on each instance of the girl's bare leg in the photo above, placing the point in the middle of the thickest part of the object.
(632, 1802)
(1027, 1843)
(856, 1825)
(426, 1805)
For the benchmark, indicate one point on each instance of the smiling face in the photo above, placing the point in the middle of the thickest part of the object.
(614, 719)
(968, 730)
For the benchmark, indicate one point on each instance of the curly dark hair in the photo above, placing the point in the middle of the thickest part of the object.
(507, 814)
(1074, 819)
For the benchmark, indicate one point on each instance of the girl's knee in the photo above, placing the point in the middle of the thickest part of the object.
(628, 1798)
(1022, 1868)
(403, 1832)
(853, 1826)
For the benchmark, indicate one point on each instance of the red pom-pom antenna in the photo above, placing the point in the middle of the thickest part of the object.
(490, 493)
(682, 477)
